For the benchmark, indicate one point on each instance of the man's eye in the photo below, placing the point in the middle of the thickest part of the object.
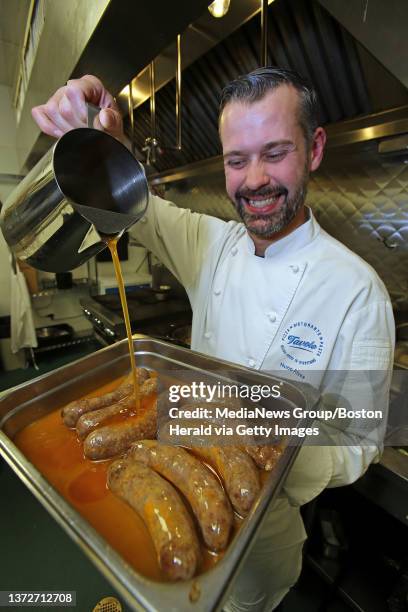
(236, 163)
(276, 156)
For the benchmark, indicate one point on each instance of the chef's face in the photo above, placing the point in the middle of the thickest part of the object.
(267, 162)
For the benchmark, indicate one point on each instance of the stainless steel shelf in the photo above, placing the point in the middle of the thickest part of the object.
(51, 291)
(58, 345)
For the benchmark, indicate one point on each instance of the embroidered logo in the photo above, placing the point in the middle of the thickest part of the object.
(302, 343)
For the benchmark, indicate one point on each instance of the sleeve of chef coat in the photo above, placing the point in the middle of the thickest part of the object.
(179, 237)
(365, 349)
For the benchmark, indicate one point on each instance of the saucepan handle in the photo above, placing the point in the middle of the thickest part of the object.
(92, 112)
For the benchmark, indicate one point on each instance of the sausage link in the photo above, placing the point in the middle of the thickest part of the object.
(163, 513)
(126, 406)
(112, 440)
(71, 413)
(201, 488)
(265, 457)
(237, 471)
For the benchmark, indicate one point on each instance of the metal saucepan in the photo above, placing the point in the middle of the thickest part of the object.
(86, 185)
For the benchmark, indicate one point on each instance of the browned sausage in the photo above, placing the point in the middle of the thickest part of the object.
(201, 488)
(126, 406)
(237, 471)
(71, 413)
(112, 440)
(164, 514)
(265, 457)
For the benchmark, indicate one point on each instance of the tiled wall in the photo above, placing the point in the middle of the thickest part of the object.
(358, 197)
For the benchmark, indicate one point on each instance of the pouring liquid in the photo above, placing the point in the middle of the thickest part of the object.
(111, 242)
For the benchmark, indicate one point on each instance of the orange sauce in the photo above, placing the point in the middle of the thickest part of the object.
(112, 242)
(57, 453)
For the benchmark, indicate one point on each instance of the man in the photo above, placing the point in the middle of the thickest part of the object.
(274, 293)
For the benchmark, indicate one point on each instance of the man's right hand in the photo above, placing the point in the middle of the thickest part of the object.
(66, 109)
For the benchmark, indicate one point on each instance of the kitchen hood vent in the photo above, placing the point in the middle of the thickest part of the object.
(303, 36)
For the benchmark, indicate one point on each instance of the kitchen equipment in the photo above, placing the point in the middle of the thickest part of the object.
(401, 354)
(63, 280)
(148, 314)
(86, 185)
(401, 332)
(182, 335)
(161, 276)
(32, 400)
(52, 334)
(162, 293)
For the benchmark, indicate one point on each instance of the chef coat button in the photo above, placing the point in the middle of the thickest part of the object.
(217, 291)
(234, 250)
(251, 363)
(295, 269)
(207, 335)
(272, 316)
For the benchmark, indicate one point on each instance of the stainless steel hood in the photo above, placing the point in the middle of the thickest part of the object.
(380, 26)
(128, 36)
(353, 136)
(326, 40)
(132, 33)
(302, 35)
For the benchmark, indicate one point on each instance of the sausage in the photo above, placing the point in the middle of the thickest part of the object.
(112, 440)
(163, 513)
(265, 457)
(237, 471)
(71, 413)
(201, 488)
(126, 406)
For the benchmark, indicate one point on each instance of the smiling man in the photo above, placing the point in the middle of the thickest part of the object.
(267, 180)
(273, 293)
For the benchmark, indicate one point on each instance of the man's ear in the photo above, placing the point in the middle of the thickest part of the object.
(316, 152)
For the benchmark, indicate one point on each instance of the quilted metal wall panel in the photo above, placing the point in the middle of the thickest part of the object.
(360, 199)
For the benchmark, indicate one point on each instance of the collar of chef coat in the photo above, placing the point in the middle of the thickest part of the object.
(296, 240)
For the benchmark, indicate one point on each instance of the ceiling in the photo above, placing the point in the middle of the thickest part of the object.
(12, 27)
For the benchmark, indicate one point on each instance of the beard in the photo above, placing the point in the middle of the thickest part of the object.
(266, 225)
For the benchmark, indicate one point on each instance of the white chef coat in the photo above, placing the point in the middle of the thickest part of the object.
(308, 291)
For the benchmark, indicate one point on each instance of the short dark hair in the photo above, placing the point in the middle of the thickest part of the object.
(255, 85)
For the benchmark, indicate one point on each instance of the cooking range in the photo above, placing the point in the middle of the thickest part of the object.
(163, 315)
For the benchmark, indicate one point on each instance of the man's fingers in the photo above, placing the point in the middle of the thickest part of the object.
(72, 110)
(52, 109)
(93, 89)
(76, 98)
(108, 101)
(110, 121)
(52, 119)
(42, 120)
(66, 109)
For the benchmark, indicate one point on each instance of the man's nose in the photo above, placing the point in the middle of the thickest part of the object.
(256, 176)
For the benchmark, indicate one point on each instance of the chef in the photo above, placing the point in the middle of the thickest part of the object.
(274, 292)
